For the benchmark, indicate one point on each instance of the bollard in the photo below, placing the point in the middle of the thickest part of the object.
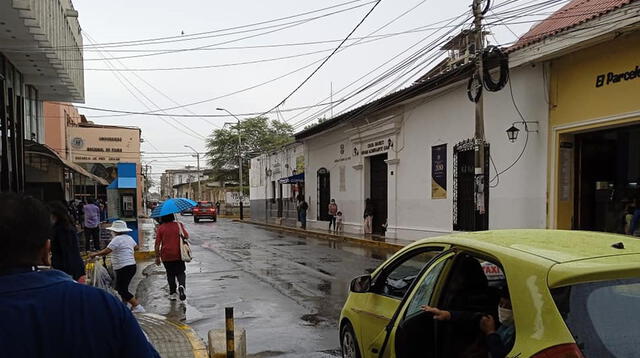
(228, 315)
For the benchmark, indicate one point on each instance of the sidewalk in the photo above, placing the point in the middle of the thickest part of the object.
(378, 241)
(170, 338)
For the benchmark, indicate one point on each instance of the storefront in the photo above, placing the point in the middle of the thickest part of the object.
(595, 135)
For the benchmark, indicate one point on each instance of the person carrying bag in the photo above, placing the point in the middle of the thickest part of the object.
(173, 250)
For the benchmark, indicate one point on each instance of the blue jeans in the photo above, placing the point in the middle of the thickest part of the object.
(302, 217)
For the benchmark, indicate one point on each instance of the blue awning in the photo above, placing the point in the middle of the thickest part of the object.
(294, 179)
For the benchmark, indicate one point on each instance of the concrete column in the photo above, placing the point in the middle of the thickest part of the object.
(392, 199)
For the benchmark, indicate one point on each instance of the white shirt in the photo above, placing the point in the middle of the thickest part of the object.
(122, 251)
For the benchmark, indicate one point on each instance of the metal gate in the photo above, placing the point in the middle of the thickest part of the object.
(470, 191)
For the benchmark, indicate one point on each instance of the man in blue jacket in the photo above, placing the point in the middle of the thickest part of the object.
(44, 313)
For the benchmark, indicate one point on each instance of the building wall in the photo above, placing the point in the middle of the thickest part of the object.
(578, 103)
(100, 148)
(518, 200)
(263, 198)
(57, 117)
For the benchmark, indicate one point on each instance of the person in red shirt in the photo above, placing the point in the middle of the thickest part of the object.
(168, 252)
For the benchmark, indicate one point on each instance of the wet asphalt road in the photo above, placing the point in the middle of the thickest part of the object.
(287, 291)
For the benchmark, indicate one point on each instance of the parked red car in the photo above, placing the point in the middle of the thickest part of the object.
(205, 210)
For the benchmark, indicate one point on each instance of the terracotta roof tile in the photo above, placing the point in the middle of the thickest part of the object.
(574, 13)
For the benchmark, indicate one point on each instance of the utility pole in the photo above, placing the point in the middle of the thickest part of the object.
(479, 137)
(197, 171)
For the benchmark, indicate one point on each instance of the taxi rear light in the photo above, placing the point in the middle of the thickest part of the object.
(569, 350)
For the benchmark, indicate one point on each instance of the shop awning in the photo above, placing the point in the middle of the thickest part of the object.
(42, 149)
(126, 177)
(294, 179)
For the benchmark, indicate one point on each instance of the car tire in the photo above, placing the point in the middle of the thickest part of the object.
(196, 220)
(215, 218)
(348, 342)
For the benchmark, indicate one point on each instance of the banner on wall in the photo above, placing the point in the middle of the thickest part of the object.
(439, 171)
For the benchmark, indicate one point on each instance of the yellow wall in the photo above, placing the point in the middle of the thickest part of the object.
(577, 104)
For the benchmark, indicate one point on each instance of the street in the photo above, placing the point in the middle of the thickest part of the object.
(287, 290)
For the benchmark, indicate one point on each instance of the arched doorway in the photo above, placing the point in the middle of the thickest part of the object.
(324, 194)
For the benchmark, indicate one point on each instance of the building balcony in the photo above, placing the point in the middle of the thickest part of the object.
(43, 40)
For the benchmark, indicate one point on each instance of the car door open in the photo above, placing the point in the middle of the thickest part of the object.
(411, 331)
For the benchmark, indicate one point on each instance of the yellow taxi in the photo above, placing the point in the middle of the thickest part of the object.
(574, 294)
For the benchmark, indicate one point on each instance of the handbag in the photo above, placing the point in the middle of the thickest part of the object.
(185, 249)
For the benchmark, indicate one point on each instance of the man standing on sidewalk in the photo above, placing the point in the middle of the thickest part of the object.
(333, 211)
(302, 211)
(91, 225)
(44, 312)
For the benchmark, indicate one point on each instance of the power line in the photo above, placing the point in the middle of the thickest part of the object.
(189, 37)
(118, 75)
(328, 57)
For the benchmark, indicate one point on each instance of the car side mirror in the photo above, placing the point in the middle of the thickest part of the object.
(361, 284)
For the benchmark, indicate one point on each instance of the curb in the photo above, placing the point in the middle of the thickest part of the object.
(199, 348)
(326, 236)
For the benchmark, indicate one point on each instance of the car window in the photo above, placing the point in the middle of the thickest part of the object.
(425, 289)
(205, 205)
(603, 317)
(396, 281)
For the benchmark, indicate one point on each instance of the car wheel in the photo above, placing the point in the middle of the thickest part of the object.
(215, 218)
(349, 343)
(195, 220)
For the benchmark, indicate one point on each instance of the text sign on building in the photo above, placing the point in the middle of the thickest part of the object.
(612, 77)
(439, 172)
(104, 145)
(378, 146)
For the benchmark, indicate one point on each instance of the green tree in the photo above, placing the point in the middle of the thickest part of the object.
(258, 135)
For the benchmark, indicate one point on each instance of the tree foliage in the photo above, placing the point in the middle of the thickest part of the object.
(258, 134)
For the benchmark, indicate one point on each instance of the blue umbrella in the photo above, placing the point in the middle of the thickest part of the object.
(172, 206)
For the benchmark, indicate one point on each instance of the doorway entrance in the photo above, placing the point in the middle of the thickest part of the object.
(324, 194)
(378, 192)
(470, 191)
(607, 164)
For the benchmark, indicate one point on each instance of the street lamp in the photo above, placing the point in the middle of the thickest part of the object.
(198, 171)
(240, 156)
(513, 131)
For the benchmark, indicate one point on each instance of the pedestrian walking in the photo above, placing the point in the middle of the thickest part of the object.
(333, 210)
(122, 248)
(218, 207)
(44, 312)
(65, 253)
(91, 225)
(168, 237)
(302, 211)
(368, 216)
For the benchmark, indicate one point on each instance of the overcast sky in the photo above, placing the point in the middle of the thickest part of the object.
(124, 20)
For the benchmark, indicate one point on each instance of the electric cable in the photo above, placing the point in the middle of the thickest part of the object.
(327, 58)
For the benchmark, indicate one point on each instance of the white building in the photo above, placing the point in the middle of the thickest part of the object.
(387, 150)
(274, 184)
(172, 177)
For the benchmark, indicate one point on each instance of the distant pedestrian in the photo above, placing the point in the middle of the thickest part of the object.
(122, 248)
(339, 223)
(65, 253)
(302, 211)
(333, 210)
(91, 225)
(218, 207)
(167, 247)
(44, 312)
(368, 216)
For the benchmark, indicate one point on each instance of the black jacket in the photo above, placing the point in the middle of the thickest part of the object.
(65, 254)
